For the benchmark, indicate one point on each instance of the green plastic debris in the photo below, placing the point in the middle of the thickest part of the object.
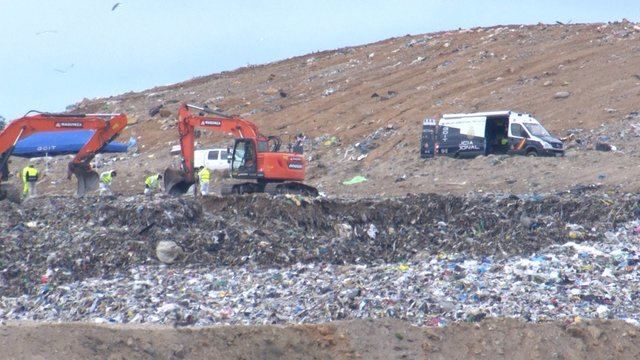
(331, 141)
(355, 180)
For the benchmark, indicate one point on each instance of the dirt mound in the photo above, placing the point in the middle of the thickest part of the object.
(362, 339)
(97, 236)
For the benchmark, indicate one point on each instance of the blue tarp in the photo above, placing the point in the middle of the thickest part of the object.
(54, 143)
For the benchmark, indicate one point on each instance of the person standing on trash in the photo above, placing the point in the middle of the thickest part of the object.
(29, 178)
(298, 146)
(152, 184)
(204, 175)
(106, 178)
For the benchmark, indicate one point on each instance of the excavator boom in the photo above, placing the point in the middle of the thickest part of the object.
(106, 126)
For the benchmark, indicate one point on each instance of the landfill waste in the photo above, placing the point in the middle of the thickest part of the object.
(390, 94)
(605, 147)
(168, 251)
(98, 236)
(561, 95)
(327, 140)
(567, 281)
(328, 91)
(370, 142)
(355, 180)
(155, 110)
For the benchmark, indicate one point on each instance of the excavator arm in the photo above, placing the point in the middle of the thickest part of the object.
(106, 126)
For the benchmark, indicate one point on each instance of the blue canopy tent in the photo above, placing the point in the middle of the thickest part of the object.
(52, 143)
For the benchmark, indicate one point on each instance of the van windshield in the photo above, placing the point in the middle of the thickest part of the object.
(537, 130)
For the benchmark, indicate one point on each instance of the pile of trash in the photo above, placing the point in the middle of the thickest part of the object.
(63, 239)
(619, 136)
(565, 281)
(360, 150)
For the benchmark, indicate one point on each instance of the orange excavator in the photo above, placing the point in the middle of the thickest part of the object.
(255, 157)
(106, 126)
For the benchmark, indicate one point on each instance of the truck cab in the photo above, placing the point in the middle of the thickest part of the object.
(528, 137)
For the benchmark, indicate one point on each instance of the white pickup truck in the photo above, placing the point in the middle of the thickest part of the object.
(212, 159)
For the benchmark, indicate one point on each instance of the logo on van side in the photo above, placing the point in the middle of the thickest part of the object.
(468, 145)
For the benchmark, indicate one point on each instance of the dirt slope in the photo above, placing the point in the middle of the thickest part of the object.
(394, 84)
(361, 339)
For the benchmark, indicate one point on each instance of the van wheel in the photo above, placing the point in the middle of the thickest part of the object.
(532, 153)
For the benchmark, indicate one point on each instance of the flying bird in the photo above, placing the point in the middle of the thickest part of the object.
(115, 6)
(47, 32)
(64, 71)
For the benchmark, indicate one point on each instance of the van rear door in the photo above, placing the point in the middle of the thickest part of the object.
(428, 140)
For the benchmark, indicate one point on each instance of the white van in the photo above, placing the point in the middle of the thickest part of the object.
(497, 132)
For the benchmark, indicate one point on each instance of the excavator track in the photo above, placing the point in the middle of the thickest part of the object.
(241, 188)
(268, 188)
(294, 188)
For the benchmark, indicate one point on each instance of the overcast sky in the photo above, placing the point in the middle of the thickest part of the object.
(55, 52)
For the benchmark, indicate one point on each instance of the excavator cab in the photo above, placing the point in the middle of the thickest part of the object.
(244, 159)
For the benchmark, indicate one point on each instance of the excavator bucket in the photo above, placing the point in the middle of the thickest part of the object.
(10, 192)
(176, 182)
(88, 180)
